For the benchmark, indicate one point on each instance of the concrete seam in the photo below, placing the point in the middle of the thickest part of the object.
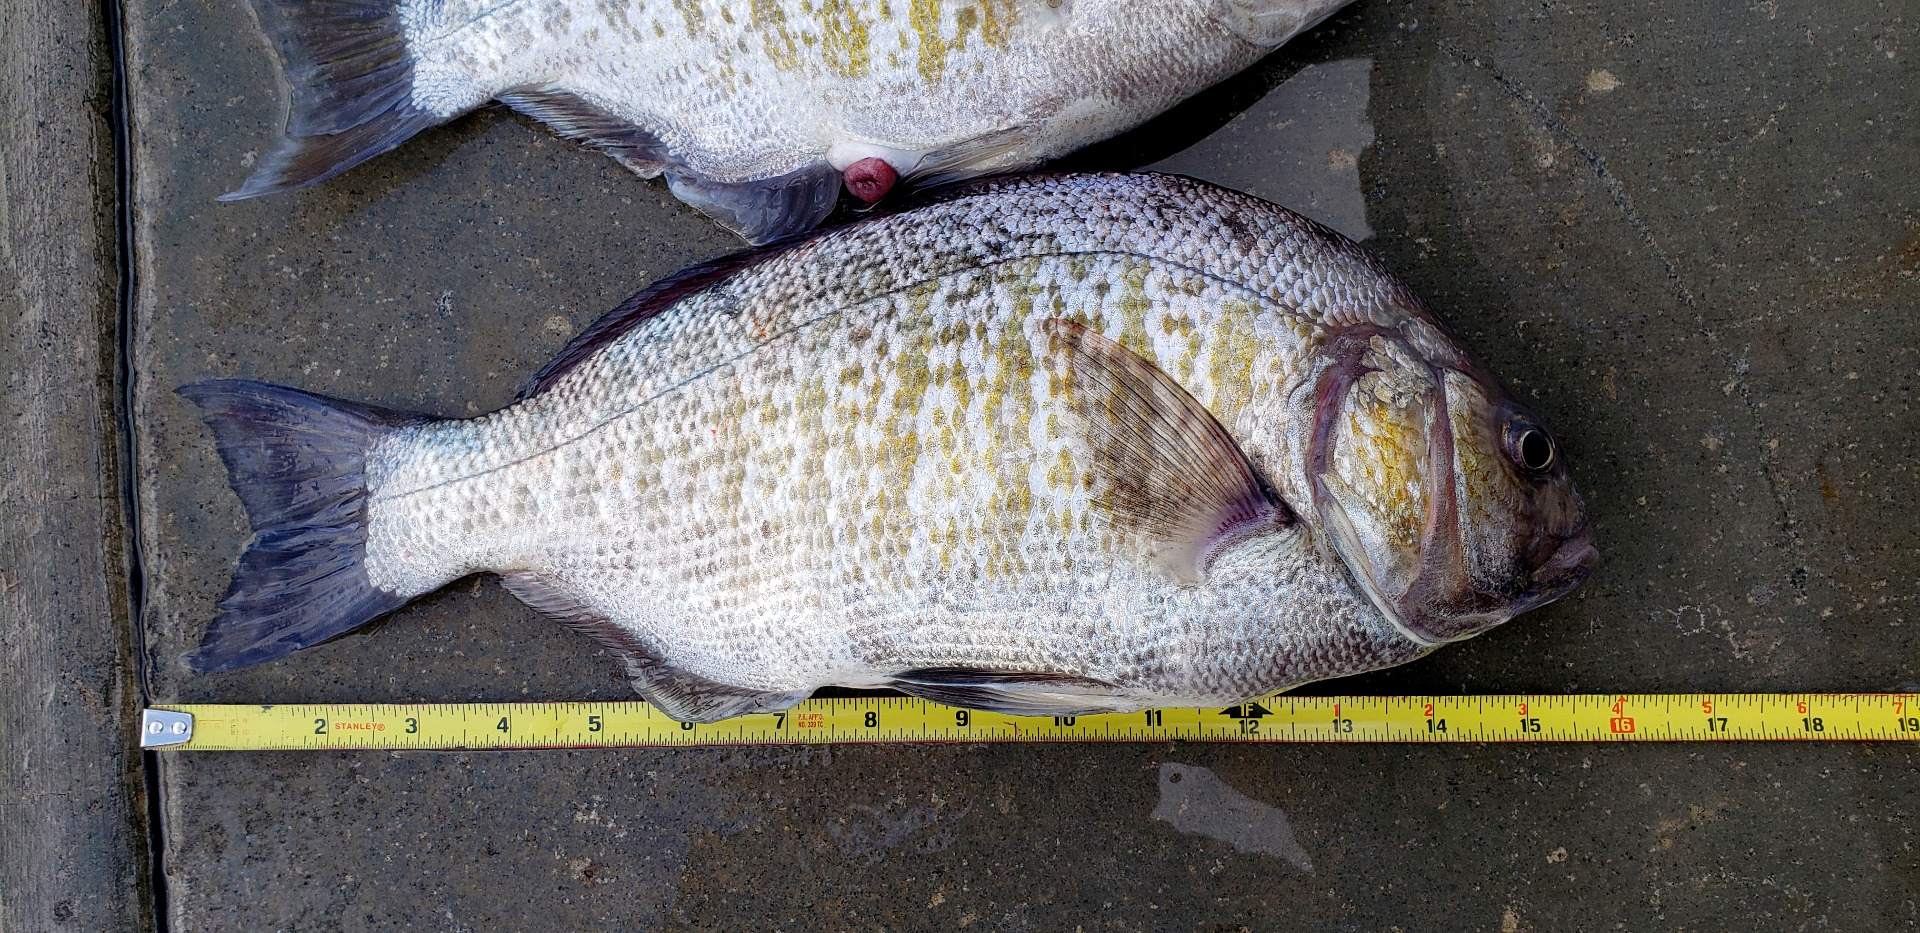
(1611, 183)
(121, 123)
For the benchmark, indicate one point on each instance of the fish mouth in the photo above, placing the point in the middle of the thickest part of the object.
(1572, 562)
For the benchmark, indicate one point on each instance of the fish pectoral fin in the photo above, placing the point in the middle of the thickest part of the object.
(1163, 466)
(682, 696)
(1015, 693)
(573, 117)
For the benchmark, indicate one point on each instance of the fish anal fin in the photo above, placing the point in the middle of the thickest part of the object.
(760, 211)
(1015, 693)
(1269, 23)
(766, 209)
(1164, 467)
(682, 696)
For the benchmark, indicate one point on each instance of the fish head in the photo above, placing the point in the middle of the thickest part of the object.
(1450, 503)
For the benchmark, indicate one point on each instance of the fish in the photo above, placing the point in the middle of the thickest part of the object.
(1042, 445)
(759, 112)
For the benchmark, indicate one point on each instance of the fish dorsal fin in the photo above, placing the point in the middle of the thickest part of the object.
(646, 303)
(683, 696)
(1163, 466)
(669, 291)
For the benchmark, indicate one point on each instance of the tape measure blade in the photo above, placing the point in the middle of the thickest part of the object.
(1276, 718)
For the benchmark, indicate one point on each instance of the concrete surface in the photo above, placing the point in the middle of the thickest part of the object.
(73, 807)
(1687, 233)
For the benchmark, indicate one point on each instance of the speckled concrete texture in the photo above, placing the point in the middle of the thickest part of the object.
(73, 829)
(1688, 234)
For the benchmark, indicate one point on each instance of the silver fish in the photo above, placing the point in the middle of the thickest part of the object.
(1046, 445)
(759, 111)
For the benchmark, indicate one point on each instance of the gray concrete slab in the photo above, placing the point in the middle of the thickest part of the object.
(1688, 234)
(73, 828)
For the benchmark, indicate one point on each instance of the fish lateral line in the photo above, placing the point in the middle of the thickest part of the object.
(778, 336)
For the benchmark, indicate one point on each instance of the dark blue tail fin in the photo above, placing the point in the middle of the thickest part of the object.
(352, 79)
(298, 462)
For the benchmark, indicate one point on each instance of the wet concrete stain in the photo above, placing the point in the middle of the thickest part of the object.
(1299, 147)
(865, 833)
(1194, 800)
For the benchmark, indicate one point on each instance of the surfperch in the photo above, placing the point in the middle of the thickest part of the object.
(759, 112)
(1047, 445)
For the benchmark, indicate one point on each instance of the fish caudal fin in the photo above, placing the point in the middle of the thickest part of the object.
(352, 81)
(298, 463)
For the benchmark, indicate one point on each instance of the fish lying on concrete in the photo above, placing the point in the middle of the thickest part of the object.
(1047, 445)
(759, 111)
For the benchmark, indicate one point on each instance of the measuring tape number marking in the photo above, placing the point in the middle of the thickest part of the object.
(1277, 718)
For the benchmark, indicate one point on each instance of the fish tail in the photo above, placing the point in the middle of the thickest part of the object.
(352, 81)
(298, 463)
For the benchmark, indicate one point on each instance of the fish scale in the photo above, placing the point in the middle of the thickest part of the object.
(886, 456)
(735, 452)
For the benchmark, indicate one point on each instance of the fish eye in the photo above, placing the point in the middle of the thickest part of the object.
(1530, 447)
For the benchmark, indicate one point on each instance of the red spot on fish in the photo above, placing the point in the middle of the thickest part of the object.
(870, 179)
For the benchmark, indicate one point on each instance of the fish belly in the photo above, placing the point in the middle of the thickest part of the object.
(880, 488)
(742, 90)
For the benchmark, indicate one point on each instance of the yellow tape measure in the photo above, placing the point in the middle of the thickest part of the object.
(1277, 718)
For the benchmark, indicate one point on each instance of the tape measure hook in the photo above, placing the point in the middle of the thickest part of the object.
(161, 728)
